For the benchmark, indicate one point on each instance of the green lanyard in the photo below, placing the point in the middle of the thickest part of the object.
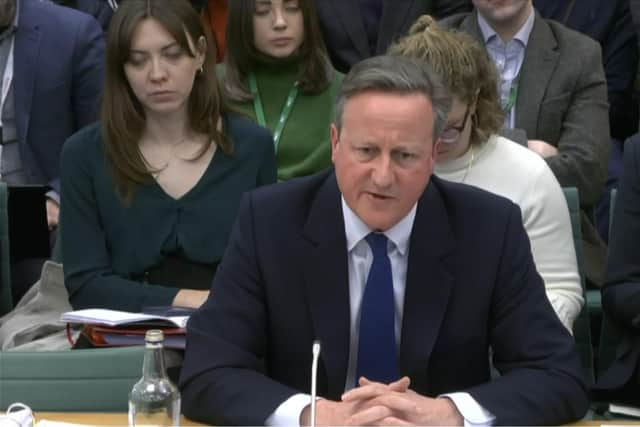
(284, 114)
(513, 96)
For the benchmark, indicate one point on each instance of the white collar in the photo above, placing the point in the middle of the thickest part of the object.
(356, 229)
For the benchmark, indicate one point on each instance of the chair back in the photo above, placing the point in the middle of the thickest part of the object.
(610, 335)
(91, 380)
(582, 324)
(6, 297)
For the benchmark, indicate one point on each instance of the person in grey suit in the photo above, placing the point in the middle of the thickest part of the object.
(357, 29)
(553, 88)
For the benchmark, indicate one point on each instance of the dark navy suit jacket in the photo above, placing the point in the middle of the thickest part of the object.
(344, 30)
(471, 284)
(58, 68)
(621, 293)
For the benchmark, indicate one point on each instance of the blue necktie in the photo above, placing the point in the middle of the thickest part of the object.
(377, 359)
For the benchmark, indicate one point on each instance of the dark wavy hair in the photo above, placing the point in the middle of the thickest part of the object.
(122, 115)
(241, 54)
(464, 66)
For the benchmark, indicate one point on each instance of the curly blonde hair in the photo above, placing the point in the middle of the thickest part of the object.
(464, 66)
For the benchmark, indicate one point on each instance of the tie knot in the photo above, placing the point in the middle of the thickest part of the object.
(378, 244)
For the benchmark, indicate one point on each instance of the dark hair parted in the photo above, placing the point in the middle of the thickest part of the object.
(464, 66)
(396, 74)
(122, 114)
(241, 55)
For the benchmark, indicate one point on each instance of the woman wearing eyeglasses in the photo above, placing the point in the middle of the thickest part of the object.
(470, 151)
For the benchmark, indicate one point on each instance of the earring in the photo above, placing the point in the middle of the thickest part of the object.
(200, 70)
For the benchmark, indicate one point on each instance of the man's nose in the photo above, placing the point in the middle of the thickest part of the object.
(383, 172)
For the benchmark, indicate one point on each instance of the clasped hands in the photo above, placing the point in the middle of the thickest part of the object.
(376, 403)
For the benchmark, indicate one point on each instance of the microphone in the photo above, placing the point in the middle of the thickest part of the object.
(315, 350)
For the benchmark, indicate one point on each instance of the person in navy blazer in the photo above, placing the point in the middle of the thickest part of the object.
(469, 284)
(57, 83)
(621, 292)
(353, 31)
(59, 55)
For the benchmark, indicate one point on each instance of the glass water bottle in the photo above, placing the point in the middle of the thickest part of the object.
(154, 400)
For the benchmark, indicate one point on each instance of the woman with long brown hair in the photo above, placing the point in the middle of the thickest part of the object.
(276, 70)
(150, 192)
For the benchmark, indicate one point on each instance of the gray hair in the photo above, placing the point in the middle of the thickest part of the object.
(396, 74)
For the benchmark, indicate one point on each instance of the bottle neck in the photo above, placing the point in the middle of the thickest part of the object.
(153, 365)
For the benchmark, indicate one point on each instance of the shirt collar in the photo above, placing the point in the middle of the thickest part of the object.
(356, 230)
(488, 33)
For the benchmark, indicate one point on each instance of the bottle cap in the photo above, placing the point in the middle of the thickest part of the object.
(154, 336)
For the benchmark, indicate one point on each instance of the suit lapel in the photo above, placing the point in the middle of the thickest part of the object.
(26, 51)
(540, 61)
(470, 26)
(429, 281)
(394, 16)
(348, 12)
(327, 281)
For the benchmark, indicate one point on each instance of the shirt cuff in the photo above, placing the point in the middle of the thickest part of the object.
(470, 409)
(560, 306)
(288, 413)
(53, 195)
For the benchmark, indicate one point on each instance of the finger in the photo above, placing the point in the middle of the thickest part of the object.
(369, 416)
(401, 385)
(393, 421)
(402, 403)
(368, 391)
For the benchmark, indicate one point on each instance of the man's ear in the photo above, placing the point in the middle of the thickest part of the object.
(335, 134)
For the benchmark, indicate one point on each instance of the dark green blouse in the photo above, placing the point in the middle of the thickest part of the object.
(108, 247)
(305, 144)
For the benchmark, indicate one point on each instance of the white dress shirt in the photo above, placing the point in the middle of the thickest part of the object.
(360, 259)
(508, 58)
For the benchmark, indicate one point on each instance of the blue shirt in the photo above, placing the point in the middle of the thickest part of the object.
(508, 58)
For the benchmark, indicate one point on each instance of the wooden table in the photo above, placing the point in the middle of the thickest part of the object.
(97, 418)
(607, 422)
(120, 419)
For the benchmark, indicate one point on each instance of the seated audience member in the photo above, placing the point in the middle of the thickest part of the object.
(610, 23)
(621, 292)
(151, 192)
(52, 59)
(472, 153)
(357, 29)
(552, 86)
(277, 71)
(407, 281)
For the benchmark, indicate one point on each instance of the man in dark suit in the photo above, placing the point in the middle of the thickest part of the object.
(621, 293)
(407, 281)
(610, 24)
(553, 87)
(51, 58)
(357, 29)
